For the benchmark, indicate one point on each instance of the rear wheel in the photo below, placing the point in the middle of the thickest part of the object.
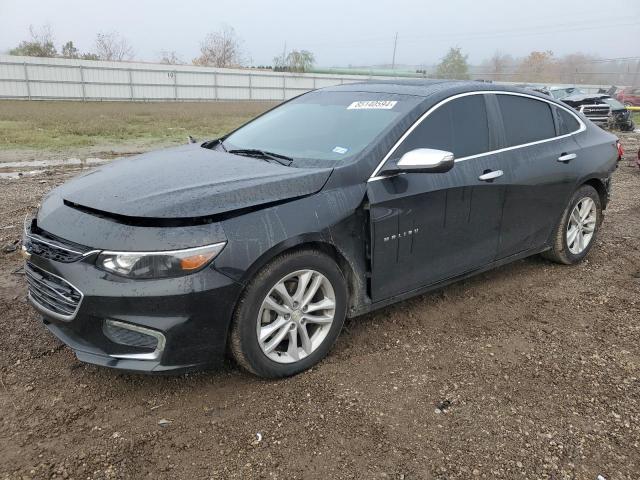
(289, 315)
(574, 236)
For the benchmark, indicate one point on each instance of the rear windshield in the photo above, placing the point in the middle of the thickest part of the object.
(323, 126)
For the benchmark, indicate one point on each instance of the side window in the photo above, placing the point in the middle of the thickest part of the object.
(525, 119)
(459, 126)
(567, 123)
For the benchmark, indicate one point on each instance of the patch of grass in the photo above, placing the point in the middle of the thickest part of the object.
(59, 125)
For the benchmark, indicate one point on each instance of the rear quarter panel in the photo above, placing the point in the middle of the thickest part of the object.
(598, 154)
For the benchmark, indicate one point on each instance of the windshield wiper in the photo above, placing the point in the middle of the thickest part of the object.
(254, 152)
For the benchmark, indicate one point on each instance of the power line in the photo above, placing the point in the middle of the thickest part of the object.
(527, 31)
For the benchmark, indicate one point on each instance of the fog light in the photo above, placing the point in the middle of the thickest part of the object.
(134, 336)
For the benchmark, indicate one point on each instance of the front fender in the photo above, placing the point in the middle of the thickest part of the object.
(332, 217)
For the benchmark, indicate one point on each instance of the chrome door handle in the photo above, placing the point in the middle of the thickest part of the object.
(567, 157)
(489, 176)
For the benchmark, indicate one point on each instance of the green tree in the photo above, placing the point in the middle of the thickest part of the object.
(300, 61)
(89, 56)
(294, 61)
(453, 65)
(40, 44)
(69, 50)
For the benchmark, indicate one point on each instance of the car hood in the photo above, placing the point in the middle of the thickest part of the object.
(187, 182)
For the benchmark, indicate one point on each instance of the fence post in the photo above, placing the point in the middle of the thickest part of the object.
(130, 84)
(215, 85)
(26, 79)
(250, 87)
(84, 92)
(314, 83)
(175, 85)
(284, 86)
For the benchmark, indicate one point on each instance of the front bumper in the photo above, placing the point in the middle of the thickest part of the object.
(187, 316)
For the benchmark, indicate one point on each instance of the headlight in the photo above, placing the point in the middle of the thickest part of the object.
(158, 264)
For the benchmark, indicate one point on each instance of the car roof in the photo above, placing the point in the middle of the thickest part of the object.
(426, 88)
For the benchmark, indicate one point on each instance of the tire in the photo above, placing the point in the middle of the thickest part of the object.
(282, 319)
(566, 247)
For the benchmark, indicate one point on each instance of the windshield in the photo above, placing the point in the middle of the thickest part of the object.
(323, 126)
(565, 92)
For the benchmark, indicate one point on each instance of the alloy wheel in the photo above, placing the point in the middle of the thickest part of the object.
(296, 316)
(581, 225)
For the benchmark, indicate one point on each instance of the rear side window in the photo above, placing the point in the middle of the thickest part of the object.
(459, 126)
(567, 123)
(525, 119)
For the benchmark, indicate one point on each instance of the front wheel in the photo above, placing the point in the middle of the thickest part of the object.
(576, 233)
(289, 315)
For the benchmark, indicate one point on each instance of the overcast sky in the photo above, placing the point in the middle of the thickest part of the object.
(339, 32)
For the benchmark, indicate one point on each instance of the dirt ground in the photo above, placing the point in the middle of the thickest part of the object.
(530, 371)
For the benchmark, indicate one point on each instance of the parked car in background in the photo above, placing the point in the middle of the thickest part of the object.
(629, 96)
(590, 106)
(336, 203)
(602, 109)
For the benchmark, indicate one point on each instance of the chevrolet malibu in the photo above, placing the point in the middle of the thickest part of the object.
(343, 200)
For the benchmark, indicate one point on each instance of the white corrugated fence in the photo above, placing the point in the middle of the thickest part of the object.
(35, 78)
(66, 79)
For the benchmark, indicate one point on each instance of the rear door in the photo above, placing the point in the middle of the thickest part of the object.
(427, 227)
(537, 157)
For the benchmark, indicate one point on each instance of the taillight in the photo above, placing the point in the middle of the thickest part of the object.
(620, 150)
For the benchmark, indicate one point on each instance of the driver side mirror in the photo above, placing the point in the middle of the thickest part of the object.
(424, 160)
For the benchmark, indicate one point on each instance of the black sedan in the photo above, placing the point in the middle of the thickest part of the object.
(343, 200)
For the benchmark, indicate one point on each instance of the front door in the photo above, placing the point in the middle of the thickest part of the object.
(428, 227)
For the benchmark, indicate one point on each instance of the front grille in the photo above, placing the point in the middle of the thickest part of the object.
(596, 110)
(51, 293)
(50, 251)
(51, 247)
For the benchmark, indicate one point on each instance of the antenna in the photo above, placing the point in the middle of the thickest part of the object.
(395, 44)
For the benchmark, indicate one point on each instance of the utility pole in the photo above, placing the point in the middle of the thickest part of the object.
(284, 52)
(395, 44)
(635, 76)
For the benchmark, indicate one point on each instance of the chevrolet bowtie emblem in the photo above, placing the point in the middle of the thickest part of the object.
(25, 253)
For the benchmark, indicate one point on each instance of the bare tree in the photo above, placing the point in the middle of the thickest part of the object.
(221, 49)
(40, 44)
(576, 68)
(498, 65)
(113, 47)
(170, 58)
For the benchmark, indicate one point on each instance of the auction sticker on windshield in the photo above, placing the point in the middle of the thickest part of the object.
(373, 105)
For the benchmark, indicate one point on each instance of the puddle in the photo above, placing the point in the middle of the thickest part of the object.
(13, 175)
(13, 170)
(52, 163)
